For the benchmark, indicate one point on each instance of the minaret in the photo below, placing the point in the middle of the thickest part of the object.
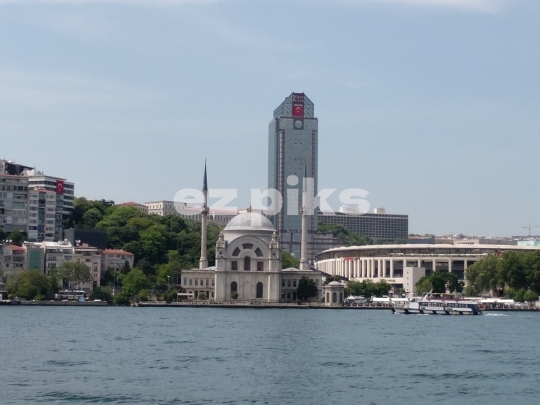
(203, 262)
(304, 264)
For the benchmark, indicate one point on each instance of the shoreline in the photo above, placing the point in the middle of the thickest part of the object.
(231, 306)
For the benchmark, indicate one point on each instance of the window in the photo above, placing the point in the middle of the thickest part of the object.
(334, 297)
(196, 282)
(236, 252)
(234, 286)
(294, 283)
(247, 246)
(288, 283)
(190, 281)
(283, 283)
(247, 263)
(212, 285)
(234, 265)
(258, 252)
(207, 282)
(260, 266)
(259, 290)
(185, 281)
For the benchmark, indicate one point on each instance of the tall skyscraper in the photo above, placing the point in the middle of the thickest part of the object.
(293, 151)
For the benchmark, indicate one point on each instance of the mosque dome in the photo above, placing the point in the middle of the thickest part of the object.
(250, 221)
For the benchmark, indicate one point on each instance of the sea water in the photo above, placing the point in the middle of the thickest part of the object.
(114, 355)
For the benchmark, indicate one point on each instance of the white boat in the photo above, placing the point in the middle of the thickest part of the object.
(437, 304)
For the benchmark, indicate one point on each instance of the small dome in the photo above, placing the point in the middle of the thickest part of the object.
(250, 221)
(334, 283)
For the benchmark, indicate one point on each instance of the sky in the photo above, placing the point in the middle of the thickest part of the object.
(432, 106)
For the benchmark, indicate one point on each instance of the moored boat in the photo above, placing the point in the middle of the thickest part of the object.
(437, 304)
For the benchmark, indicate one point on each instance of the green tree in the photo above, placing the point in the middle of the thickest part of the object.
(202, 297)
(29, 284)
(484, 275)
(134, 282)
(91, 218)
(75, 272)
(339, 231)
(353, 288)
(101, 294)
(453, 283)
(423, 285)
(288, 261)
(381, 288)
(307, 288)
(170, 295)
(530, 296)
(512, 271)
(122, 298)
(125, 269)
(17, 237)
(234, 295)
(438, 281)
(531, 265)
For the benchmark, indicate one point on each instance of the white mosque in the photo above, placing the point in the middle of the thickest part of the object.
(248, 261)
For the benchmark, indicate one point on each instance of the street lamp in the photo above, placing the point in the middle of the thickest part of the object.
(114, 285)
(168, 281)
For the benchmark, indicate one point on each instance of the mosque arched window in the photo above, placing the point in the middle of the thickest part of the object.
(247, 263)
(334, 297)
(258, 252)
(259, 290)
(236, 252)
(234, 286)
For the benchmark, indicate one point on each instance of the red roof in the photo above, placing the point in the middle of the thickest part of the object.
(130, 204)
(116, 252)
(16, 248)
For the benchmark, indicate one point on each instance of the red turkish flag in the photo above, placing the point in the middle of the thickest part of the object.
(60, 186)
(298, 110)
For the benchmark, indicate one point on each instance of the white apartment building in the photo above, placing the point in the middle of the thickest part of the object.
(164, 208)
(35, 218)
(141, 207)
(43, 220)
(115, 259)
(13, 200)
(91, 257)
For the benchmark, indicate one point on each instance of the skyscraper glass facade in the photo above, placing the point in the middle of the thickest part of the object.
(293, 146)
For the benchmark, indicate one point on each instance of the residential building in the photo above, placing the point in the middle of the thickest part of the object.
(12, 259)
(13, 197)
(293, 155)
(64, 192)
(164, 208)
(141, 207)
(115, 259)
(91, 257)
(43, 222)
(55, 253)
(18, 213)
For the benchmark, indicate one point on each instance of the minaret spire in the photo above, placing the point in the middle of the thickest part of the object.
(304, 264)
(203, 262)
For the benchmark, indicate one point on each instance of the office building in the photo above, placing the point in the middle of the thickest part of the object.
(381, 227)
(293, 154)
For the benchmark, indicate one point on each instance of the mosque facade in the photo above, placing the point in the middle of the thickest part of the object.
(248, 262)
